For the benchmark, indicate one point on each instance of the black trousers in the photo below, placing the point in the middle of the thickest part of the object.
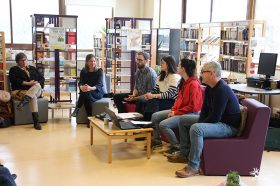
(155, 105)
(85, 99)
(119, 102)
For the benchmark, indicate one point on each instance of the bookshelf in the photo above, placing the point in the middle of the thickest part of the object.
(190, 42)
(125, 36)
(2, 62)
(168, 43)
(229, 43)
(99, 49)
(54, 46)
(236, 50)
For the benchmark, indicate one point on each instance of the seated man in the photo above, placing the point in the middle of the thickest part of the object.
(27, 84)
(220, 117)
(145, 81)
(6, 178)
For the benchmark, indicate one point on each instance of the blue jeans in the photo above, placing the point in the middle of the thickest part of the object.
(198, 132)
(164, 124)
(185, 123)
(6, 177)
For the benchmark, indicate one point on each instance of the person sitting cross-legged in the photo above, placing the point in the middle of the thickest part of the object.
(189, 101)
(219, 118)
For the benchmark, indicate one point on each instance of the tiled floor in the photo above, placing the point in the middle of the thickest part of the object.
(60, 154)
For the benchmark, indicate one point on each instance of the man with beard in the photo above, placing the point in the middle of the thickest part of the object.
(145, 81)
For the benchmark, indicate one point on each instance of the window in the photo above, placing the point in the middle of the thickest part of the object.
(91, 20)
(267, 10)
(5, 22)
(21, 16)
(229, 10)
(170, 14)
(198, 11)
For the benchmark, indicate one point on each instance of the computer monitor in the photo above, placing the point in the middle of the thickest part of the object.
(267, 64)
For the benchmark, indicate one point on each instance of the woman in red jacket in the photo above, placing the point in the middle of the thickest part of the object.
(189, 101)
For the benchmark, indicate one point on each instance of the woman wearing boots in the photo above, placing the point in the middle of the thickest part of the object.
(26, 84)
(90, 86)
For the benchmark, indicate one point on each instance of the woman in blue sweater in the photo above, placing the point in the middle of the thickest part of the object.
(90, 86)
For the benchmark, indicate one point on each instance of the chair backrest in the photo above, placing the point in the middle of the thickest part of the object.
(106, 83)
(257, 122)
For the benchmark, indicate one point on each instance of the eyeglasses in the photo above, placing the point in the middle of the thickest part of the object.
(203, 71)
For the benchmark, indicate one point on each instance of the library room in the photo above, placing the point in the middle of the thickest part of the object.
(142, 92)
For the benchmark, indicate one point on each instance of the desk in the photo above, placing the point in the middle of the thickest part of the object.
(111, 132)
(243, 88)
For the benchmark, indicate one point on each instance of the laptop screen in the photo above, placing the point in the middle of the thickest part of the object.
(112, 116)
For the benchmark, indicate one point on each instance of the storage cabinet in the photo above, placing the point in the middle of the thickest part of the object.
(3, 81)
(54, 46)
(125, 36)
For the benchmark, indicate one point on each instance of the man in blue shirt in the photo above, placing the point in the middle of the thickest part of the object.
(145, 81)
(220, 117)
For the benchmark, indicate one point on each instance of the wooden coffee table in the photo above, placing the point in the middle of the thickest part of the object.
(111, 132)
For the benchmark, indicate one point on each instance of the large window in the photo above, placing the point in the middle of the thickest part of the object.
(267, 10)
(21, 16)
(198, 11)
(170, 14)
(229, 10)
(91, 20)
(5, 23)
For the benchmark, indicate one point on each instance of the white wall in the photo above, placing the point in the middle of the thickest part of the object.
(128, 8)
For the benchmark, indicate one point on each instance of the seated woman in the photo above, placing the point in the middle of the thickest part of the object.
(27, 84)
(90, 85)
(165, 92)
(189, 101)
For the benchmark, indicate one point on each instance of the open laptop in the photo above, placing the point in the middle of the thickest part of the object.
(124, 125)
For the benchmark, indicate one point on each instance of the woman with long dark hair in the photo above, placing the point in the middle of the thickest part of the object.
(90, 85)
(189, 101)
(165, 92)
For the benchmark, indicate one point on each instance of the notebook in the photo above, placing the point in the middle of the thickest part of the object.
(124, 125)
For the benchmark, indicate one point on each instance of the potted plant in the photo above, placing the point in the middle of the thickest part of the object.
(233, 179)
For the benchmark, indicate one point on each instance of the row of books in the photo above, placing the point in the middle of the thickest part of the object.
(240, 34)
(190, 33)
(97, 42)
(211, 40)
(189, 46)
(233, 65)
(234, 49)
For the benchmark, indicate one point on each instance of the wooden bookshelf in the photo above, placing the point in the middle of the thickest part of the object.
(3, 81)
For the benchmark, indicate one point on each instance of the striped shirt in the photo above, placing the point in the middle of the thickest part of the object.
(168, 88)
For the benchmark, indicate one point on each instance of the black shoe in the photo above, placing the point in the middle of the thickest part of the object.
(155, 145)
(171, 151)
(75, 112)
(14, 176)
(25, 100)
(38, 127)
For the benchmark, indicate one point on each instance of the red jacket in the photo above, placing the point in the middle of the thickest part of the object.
(189, 98)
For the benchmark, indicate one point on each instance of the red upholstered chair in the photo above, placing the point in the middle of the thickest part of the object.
(244, 153)
(130, 107)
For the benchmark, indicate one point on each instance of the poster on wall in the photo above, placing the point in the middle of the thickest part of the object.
(134, 39)
(57, 38)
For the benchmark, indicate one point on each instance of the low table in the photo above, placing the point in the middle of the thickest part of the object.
(111, 132)
(54, 106)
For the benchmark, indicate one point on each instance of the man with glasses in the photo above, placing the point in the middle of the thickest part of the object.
(145, 81)
(27, 84)
(220, 117)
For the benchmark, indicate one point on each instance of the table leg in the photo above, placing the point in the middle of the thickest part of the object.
(148, 145)
(125, 140)
(109, 150)
(91, 134)
(52, 113)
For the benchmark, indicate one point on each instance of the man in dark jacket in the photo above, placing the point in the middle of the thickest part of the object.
(27, 83)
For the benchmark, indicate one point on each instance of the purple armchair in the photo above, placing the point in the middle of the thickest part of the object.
(244, 153)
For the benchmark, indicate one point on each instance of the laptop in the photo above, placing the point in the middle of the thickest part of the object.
(123, 125)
